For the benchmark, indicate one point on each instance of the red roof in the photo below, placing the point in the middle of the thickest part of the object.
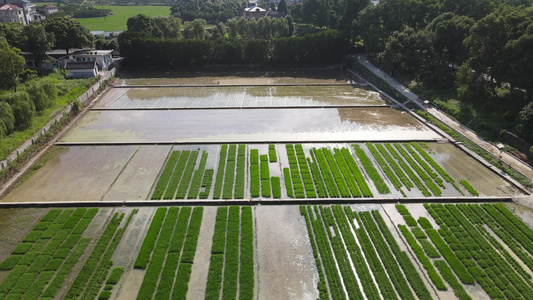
(9, 7)
(49, 6)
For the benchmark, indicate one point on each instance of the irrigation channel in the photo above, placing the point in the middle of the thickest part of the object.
(260, 185)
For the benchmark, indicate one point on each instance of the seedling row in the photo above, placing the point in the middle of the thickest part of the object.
(359, 171)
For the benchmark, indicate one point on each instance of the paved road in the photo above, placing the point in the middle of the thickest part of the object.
(511, 160)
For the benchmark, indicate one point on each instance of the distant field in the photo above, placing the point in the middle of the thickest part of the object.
(118, 21)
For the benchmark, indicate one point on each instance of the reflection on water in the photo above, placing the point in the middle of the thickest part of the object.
(249, 125)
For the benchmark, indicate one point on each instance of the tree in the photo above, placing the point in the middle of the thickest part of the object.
(68, 33)
(282, 7)
(38, 43)
(11, 66)
(195, 29)
(450, 30)
(13, 34)
(7, 120)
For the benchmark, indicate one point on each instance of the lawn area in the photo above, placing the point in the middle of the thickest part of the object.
(117, 22)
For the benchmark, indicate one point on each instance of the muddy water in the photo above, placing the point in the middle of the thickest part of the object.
(249, 125)
(75, 174)
(233, 77)
(264, 96)
(285, 265)
(461, 166)
(136, 179)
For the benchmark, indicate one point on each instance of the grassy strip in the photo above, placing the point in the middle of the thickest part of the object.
(231, 266)
(272, 155)
(66, 268)
(369, 167)
(407, 266)
(288, 182)
(358, 175)
(216, 266)
(162, 183)
(357, 256)
(343, 261)
(478, 150)
(276, 187)
(399, 172)
(426, 263)
(321, 285)
(326, 173)
(246, 274)
(337, 175)
(187, 175)
(240, 176)
(220, 172)
(457, 287)
(176, 176)
(470, 189)
(304, 171)
(266, 190)
(420, 171)
(408, 171)
(197, 178)
(151, 277)
(149, 241)
(229, 177)
(207, 182)
(348, 176)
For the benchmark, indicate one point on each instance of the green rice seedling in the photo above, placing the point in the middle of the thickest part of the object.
(288, 182)
(39, 263)
(231, 265)
(229, 177)
(41, 225)
(214, 276)
(254, 157)
(32, 236)
(12, 278)
(71, 222)
(424, 165)
(207, 183)
(37, 287)
(382, 163)
(108, 287)
(65, 269)
(54, 264)
(115, 275)
(276, 187)
(447, 274)
(296, 179)
(434, 164)
(246, 273)
(51, 215)
(63, 216)
(219, 236)
(51, 231)
(420, 171)
(348, 176)
(180, 230)
(402, 209)
(149, 241)
(317, 178)
(357, 174)
(197, 178)
(429, 249)
(272, 155)
(408, 171)
(394, 165)
(182, 282)
(177, 175)
(187, 175)
(409, 220)
(25, 281)
(418, 233)
(28, 258)
(265, 172)
(22, 248)
(254, 181)
(305, 173)
(426, 263)
(337, 175)
(470, 189)
(164, 287)
(104, 295)
(191, 239)
(322, 289)
(240, 173)
(424, 223)
(10, 262)
(165, 176)
(369, 167)
(326, 173)
(265, 188)
(220, 172)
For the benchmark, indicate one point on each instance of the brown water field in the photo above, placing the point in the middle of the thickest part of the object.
(249, 125)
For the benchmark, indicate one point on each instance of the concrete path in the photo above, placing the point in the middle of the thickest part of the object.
(511, 160)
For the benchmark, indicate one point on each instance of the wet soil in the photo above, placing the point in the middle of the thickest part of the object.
(285, 265)
(249, 125)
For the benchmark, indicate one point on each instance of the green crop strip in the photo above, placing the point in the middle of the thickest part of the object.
(369, 167)
(197, 178)
(346, 173)
(229, 177)
(382, 163)
(149, 241)
(423, 163)
(420, 171)
(276, 187)
(317, 178)
(337, 175)
(265, 176)
(246, 273)
(216, 266)
(305, 172)
(115, 275)
(358, 175)
(240, 176)
(326, 173)
(272, 155)
(322, 288)
(187, 175)
(255, 180)
(397, 169)
(206, 183)
(288, 182)
(162, 183)
(231, 265)
(470, 189)
(408, 171)
(447, 274)
(176, 175)
(426, 263)
(220, 172)
(297, 183)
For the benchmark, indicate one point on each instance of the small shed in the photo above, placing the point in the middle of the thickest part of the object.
(80, 69)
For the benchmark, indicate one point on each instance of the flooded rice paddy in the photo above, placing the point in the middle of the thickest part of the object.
(247, 96)
(249, 125)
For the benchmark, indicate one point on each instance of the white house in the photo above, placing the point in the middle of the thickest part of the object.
(103, 58)
(50, 9)
(81, 69)
(11, 13)
(28, 9)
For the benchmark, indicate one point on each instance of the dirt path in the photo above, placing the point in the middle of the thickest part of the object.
(511, 160)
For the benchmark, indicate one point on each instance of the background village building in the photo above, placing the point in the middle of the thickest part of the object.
(50, 9)
(77, 69)
(11, 13)
(29, 11)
